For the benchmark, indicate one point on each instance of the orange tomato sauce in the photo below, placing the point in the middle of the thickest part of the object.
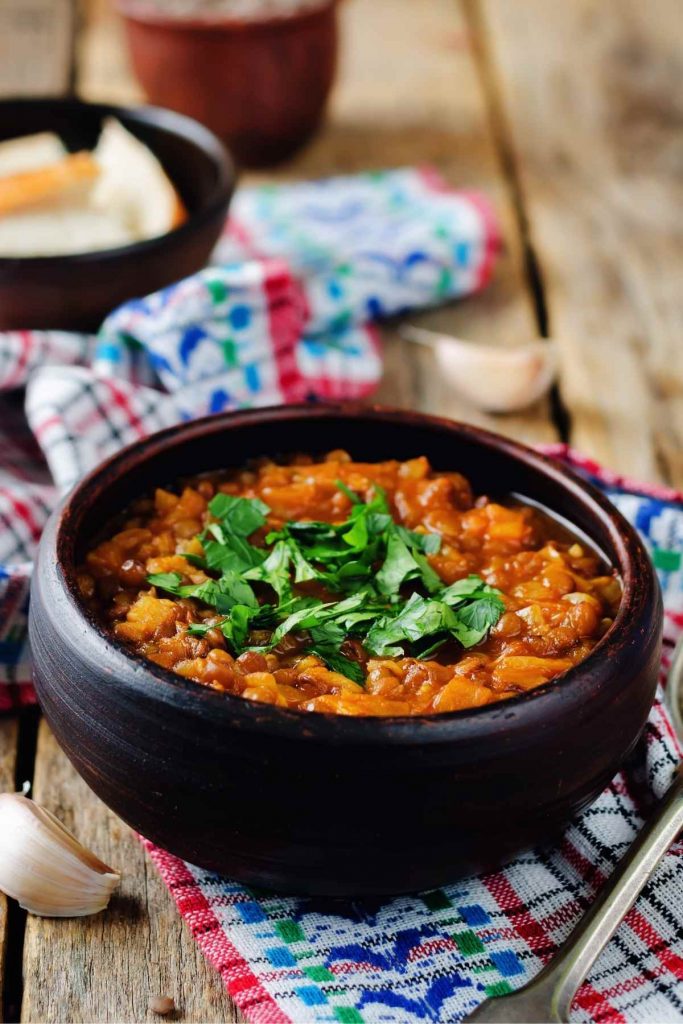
(559, 597)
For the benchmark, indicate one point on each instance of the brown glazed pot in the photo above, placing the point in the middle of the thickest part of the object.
(321, 803)
(76, 292)
(260, 85)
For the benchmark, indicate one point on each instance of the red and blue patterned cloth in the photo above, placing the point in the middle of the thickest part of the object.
(433, 957)
(284, 314)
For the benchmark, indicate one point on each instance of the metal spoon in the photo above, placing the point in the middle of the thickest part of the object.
(674, 690)
(549, 996)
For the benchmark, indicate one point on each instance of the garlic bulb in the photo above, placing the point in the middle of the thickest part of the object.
(492, 378)
(44, 867)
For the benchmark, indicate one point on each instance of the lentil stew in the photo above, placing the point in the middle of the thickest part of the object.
(353, 588)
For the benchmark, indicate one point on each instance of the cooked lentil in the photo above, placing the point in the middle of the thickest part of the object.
(559, 599)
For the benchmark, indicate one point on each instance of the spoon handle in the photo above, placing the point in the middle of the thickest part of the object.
(549, 996)
(617, 896)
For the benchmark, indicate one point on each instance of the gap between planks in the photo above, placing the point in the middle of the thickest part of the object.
(606, 253)
(9, 733)
(439, 111)
(589, 113)
(417, 98)
(108, 966)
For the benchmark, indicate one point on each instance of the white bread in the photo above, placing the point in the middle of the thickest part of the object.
(30, 153)
(68, 180)
(133, 184)
(53, 203)
(59, 230)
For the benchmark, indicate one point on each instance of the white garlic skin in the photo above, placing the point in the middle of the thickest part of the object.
(495, 378)
(492, 378)
(44, 867)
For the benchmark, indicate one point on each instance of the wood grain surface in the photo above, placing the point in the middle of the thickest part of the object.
(9, 732)
(569, 117)
(592, 117)
(107, 967)
(418, 98)
(36, 47)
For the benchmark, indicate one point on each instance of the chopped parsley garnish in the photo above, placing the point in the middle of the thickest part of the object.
(365, 564)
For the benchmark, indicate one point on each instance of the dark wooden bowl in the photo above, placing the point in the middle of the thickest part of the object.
(261, 85)
(76, 292)
(322, 803)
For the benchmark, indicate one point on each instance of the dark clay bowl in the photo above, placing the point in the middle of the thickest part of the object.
(76, 292)
(322, 803)
(261, 85)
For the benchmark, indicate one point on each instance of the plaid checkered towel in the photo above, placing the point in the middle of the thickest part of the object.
(435, 956)
(257, 333)
(285, 312)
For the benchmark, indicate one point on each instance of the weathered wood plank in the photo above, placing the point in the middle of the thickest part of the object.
(36, 47)
(103, 72)
(107, 967)
(590, 98)
(8, 753)
(417, 98)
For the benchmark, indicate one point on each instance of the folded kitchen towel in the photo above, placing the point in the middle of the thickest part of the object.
(369, 245)
(285, 312)
(283, 315)
(434, 956)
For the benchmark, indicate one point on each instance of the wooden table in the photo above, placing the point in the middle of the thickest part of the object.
(569, 115)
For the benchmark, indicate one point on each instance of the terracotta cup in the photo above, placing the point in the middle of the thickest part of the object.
(260, 85)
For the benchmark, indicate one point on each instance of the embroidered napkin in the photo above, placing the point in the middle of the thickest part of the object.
(285, 312)
(436, 955)
(284, 316)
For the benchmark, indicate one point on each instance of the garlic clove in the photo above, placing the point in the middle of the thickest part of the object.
(493, 378)
(163, 1005)
(44, 867)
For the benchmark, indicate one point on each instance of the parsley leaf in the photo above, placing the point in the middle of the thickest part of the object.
(221, 594)
(233, 554)
(429, 543)
(225, 543)
(398, 566)
(169, 581)
(303, 570)
(305, 617)
(326, 642)
(351, 495)
(224, 550)
(369, 558)
(240, 516)
(274, 570)
(402, 564)
(476, 618)
(434, 618)
(235, 628)
(418, 618)
(469, 587)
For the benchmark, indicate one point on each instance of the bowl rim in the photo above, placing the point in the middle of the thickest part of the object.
(636, 571)
(134, 11)
(166, 120)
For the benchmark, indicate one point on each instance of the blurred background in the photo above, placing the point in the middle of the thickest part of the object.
(400, 92)
(567, 116)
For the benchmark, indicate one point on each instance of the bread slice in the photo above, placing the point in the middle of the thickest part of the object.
(53, 203)
(134, 184)
(60, 229)
(71, 178)
(30, 153)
